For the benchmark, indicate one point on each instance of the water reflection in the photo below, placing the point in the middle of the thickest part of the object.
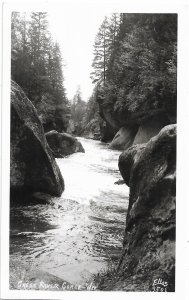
(74, 236)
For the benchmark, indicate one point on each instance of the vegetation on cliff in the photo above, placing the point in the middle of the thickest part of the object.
(135, 69)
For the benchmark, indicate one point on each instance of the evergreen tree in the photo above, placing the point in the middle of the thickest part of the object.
(140, 74)
(104, 42)
(39, 47)
(36, 65)
(39, 39)
(101, 53)
(78, 110)
(20, 53)
(142, 63)
(55, 70)
(114, 25)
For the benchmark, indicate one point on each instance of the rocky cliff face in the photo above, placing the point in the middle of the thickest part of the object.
(32, 167)
(148, 258)
(124, 138)
(92, 130)
(148, 117)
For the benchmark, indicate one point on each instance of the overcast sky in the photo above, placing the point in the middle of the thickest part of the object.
(75, 31)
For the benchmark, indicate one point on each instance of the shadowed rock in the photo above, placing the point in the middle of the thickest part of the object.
(92, 130)
(150, 116)
(127, 160)
(32, 166)
(149, 242)
(63, 144)
(124, 138)
(150, 128)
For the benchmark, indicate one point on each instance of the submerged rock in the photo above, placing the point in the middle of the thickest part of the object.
(148, 258)
(63, 144)
(124, 138)
(32, 166)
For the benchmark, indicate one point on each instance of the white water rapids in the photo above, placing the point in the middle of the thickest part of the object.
(78, 234)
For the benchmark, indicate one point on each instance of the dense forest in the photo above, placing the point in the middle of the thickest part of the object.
(85, 117)
(36, 65)
(135, 60)
(133, 71)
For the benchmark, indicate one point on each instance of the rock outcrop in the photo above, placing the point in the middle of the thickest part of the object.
(32, 165)
(124, 138)
(150, 128)
(111, 126)
(150, 117)
(92, 130)
(138, 134)
(63, 144)
(148, 258)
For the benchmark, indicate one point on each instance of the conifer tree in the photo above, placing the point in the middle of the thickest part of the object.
(36, 65)
(104, 41)
(78, 109)
(101, 53)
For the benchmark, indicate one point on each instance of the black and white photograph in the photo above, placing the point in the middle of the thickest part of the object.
(93, 150)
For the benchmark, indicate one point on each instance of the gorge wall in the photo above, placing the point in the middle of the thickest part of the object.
(135, 124)
(139, 87)
(147, 262)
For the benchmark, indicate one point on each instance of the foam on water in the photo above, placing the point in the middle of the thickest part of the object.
(76, 235)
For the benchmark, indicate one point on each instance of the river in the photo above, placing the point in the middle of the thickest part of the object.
(80, 233)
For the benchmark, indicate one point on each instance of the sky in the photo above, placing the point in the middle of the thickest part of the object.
(75, 31)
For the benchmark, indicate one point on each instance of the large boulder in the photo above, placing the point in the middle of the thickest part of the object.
(148, 258)
(63, 144)
(124, 138)
(150, 128)
(127, 160)
(32, 165)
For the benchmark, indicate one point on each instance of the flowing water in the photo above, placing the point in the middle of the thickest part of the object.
(77, 235)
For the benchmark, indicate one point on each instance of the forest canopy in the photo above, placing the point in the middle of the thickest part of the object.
(134, 69)
(135, 62)
(36, 65)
